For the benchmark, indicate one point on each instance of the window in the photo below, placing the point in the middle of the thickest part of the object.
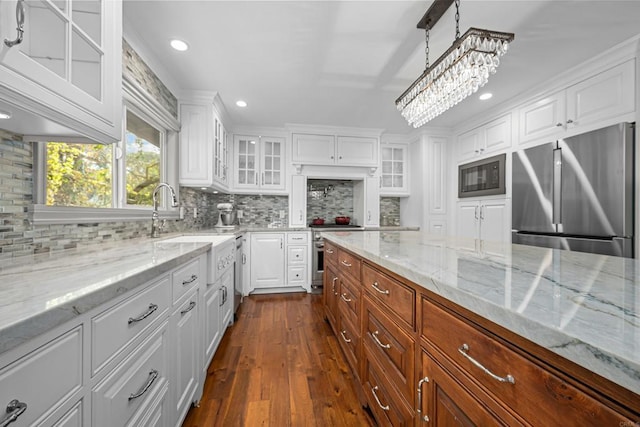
(142, 160)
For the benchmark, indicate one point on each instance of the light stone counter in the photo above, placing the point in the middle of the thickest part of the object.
(583, 307)
(40, 292)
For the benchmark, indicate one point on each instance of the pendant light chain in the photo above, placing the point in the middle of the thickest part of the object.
(426, 49)
(457, 19)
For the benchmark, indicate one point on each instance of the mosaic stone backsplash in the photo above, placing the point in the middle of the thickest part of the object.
(328, 199)
(389, 210)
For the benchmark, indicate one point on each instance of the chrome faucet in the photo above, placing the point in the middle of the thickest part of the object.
(156, 227)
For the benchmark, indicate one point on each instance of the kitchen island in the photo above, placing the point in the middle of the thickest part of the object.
(575, 315)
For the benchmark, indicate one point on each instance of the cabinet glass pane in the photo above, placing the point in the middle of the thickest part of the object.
(267, 163)
(268, 179)
(86, 66)
(45, 37)
(397, 182)
(397, 154)
(387, 153)
(268, 148)
(276, 178)
(87, 15)
(60, 4)
(276, 163)
(276, 148)
(251, 162)
(387, 167)
(397, 167)
(242, 162)
(386, 181)
(251, 149)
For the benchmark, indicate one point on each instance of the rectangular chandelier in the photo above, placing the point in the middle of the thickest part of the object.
(459, 72)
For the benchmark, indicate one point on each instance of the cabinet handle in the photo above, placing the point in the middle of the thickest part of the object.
(475, 212)
(374, 335)
(559, 124)
(464, 348)
(368, 215)
(569, 121)
(19, 26)
(280, 243)
(347, 340)
(244, 258)
(255, 181)
(419, 406)
(301, 215)
(153, 374)
(15, 408)
(329, 251)
(345, 263)
(191, 280)
(333, 285)
(152, 308)
(262, 178)
(482, 212)
(383, 407)
(188, 309)
(382, 291)
(344, 298)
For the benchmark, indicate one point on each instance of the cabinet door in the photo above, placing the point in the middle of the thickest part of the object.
(468, 220)
(394, 174)
(212, 322)
(272, 162)
(542, 118)
(226, 314)
(606, 95)
(372, 202)
(313, 149)
(469, 144)
(246, 161)
(220, 151)
(195, 145)
(497, 134)
(267, 260)
(495, 218)
(298, 201)
(331, 293)
(185, 347)
(357, 151)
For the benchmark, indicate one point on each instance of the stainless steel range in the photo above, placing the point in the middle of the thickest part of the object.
(318, 250)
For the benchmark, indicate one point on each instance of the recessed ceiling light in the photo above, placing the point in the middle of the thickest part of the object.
(179, 45)
(240, 103)
(485, 96)
(4, 115)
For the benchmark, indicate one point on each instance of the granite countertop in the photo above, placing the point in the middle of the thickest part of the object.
(583, 307)
(40, 292)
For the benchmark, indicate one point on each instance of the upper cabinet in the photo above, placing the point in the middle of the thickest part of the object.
(61, 68)
(605, 96)
(204, 150)
(394, 174)
(259, 163)
(335, 150)
(488, 138)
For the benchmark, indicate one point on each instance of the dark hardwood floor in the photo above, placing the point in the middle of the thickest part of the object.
(279, 365)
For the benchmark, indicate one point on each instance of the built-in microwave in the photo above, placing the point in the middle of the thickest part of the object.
(482, 178)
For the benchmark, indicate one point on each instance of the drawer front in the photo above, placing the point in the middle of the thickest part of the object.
(385, 403)
(349, 264)
(44, 378)
(350, 300)
(296, 275)
(128, 390)
(119, 325)
(330, 253)
(348, 337)
(297, 238)
(399, 298)
(186, 278)
(535, 394)
(73, 417)
(394, 348)
(296, 255)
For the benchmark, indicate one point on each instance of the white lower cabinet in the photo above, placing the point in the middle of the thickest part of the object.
(73, 417)
(267, 260)
(298, 256)
(212, 327)
(226, 303)
(484, 220)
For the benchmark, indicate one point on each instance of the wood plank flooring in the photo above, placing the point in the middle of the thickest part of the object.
(279, 365)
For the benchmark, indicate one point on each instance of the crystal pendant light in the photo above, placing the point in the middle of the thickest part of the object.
(459, 72)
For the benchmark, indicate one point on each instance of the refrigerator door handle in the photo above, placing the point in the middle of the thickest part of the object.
(557, 186)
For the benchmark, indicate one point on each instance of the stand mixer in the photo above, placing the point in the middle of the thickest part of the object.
(226, 215)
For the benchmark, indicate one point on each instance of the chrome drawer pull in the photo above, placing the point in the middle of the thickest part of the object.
(347, 340)
(152, 308)
(374, 334)
(345, 263)
(153, 374)
(329, 251)
(382, 291)
(15, 408)
(345, 299)
(193, 279)
(508, 379)
(188, 309)
(383, 407)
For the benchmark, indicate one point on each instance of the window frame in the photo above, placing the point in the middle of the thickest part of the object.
(139, 102)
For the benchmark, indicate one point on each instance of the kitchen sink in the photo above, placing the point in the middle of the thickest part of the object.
(213, 238)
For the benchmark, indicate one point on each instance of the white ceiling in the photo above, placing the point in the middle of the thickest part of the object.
(344, 63)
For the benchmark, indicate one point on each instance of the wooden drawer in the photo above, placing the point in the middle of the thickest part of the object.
(296, 255)
(330, 253)
(394, 348)
(386, 404)
(535, 393)
(349, 264)
(186, 278)
(44, 379)
(297, 238)
(119, 325)
(127, 392)
(349, 337)
(350, 300)
(399, 298)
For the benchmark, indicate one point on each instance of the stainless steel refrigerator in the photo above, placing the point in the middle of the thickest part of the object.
(577, 193)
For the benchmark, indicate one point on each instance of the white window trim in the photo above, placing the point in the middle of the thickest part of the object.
(143, 105)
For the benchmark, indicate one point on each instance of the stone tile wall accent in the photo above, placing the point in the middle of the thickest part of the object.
(258, 210)
(329, 198)
(134, 66)
(389, 210)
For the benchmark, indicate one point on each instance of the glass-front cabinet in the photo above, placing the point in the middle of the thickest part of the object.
(220, 152)
(259, 163)
(61, 60)
(393, 172)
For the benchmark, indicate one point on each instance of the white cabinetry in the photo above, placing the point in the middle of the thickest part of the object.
(267, 260)
(298, 255)
(64, 78)
(204, 152)
(298, 201)
(488, 138)
(394, 174)
(589, 103)
(226, 303)
(212, 327)
(338, 150)
(259, 163)
(487, 219)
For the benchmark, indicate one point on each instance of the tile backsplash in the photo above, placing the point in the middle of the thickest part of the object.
(329, 198)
